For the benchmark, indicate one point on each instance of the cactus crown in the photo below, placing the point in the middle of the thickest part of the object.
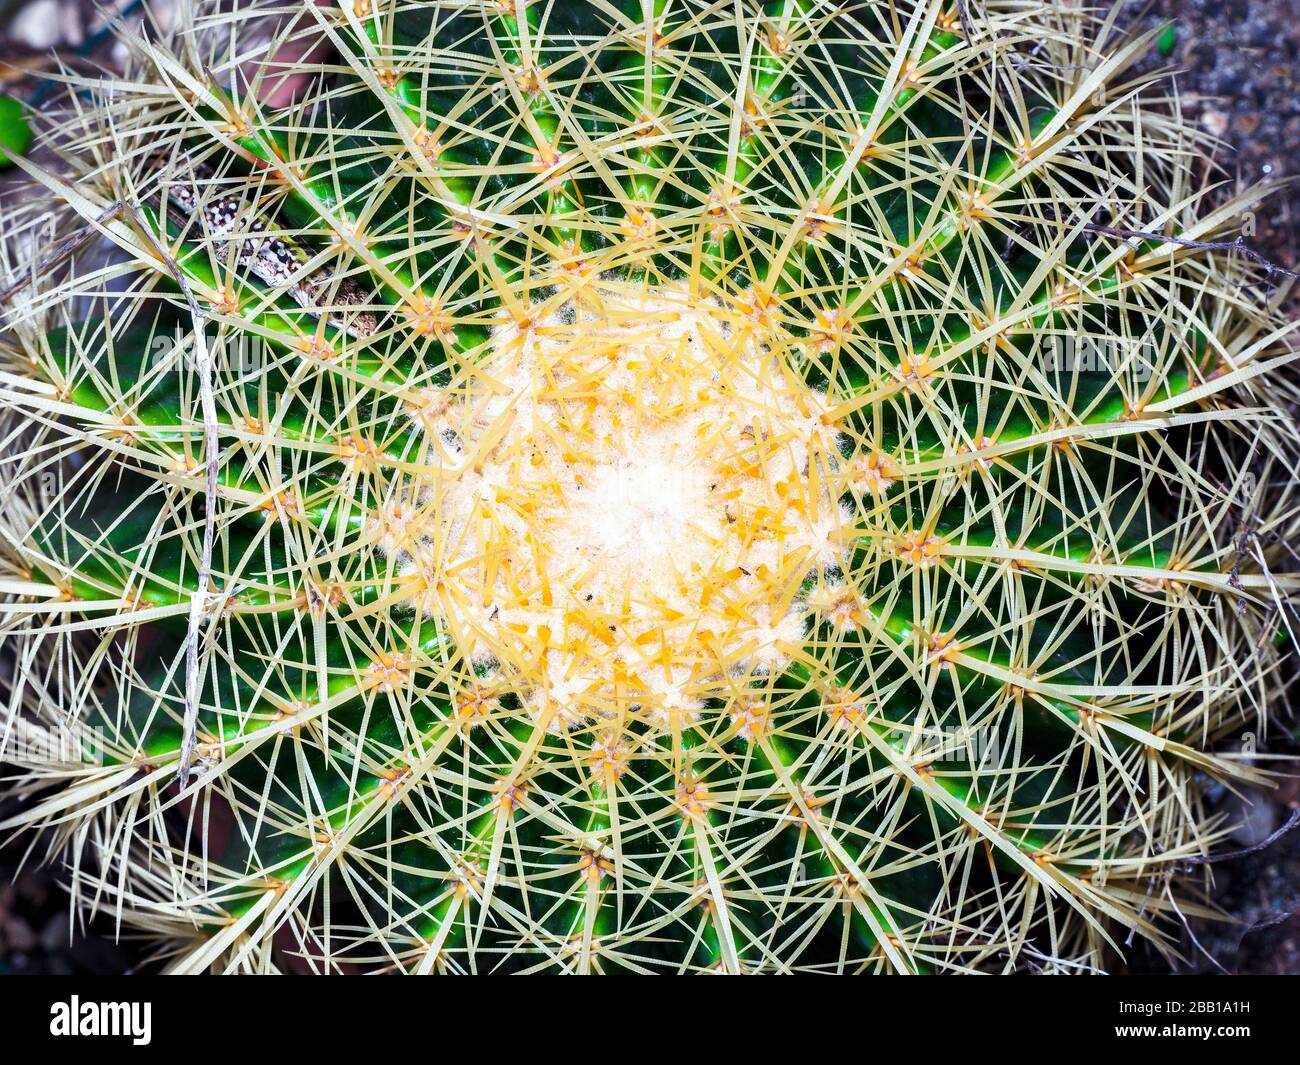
(655, 487)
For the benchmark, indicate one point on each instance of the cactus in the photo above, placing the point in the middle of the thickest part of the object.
(650, 487)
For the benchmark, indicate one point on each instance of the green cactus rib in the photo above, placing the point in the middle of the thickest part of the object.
(319, 197)
(950, 707)
(444, 933)
(294, 871)
(108, 581)
(161, 422)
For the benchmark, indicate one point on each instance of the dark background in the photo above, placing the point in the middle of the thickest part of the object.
(1237, 63)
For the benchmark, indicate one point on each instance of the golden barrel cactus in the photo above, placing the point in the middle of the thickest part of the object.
(637, 487)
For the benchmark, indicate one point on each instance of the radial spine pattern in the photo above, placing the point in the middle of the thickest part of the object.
(648, 487)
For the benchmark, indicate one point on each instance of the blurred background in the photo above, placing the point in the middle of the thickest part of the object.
(1236, 64)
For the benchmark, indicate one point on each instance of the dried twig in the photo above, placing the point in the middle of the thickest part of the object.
(211, 456)
(63, 250)
(1238, 246)
(1210, 859)
(967, 30)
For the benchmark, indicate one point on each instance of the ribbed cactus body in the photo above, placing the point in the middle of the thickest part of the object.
(651, 488)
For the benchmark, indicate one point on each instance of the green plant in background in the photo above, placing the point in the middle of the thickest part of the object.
(15, 133)
(649, 487)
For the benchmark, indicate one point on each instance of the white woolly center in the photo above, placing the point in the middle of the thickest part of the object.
(635, 490)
